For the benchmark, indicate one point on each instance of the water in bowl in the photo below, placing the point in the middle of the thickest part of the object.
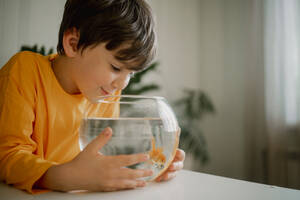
(134, 135)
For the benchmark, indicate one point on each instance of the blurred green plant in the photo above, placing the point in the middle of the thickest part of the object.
(190, 110)
(136, 86)
(35, 49)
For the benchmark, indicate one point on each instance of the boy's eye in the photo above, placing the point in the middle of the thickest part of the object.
(115, 68)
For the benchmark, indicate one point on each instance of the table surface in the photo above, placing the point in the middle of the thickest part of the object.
(187, 185)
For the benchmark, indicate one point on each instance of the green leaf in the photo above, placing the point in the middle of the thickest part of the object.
(141, 89)
(34, 48)
(196, 145)
(139, 75)
(135, 87)
(191, 108)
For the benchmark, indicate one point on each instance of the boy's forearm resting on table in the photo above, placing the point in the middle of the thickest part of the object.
(57, 177)
(92, 171)
(21, 168)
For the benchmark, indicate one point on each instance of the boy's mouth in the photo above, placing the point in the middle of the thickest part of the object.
(104, 91)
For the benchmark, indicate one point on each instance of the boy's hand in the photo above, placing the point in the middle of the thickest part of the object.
(176, 165)
(91, 170)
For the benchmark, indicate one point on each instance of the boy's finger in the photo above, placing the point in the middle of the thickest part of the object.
(96, 144)
(180, 155)
(169, 176)
(175, 166)
(127, 160)
(158, 179)
(123, 184)
(126, 173)
(166, 176)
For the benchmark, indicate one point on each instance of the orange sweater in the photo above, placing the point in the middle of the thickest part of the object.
(39, 121)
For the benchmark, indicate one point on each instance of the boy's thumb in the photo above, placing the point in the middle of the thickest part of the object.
(96, 144)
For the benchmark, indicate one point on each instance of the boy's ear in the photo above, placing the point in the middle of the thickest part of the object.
(70, 42)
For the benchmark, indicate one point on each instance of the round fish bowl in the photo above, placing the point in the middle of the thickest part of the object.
(140, 124)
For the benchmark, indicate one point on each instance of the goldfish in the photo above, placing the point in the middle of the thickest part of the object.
(156, 155)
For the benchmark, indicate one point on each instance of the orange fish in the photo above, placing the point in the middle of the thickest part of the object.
(156, 155)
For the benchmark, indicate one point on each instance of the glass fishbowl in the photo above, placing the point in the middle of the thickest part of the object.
(140, 124)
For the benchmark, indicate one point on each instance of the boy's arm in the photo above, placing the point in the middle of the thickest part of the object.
(18, 165)
(90, 170)
(21, 168)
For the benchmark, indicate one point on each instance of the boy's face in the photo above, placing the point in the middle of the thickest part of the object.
(96, 72)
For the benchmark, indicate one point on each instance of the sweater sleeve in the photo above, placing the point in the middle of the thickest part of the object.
(19, 165)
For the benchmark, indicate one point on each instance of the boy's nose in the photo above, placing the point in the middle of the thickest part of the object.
(121, 82)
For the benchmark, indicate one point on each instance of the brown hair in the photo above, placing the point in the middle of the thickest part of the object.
(116, 22)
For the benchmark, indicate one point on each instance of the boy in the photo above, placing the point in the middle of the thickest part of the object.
(101, 44)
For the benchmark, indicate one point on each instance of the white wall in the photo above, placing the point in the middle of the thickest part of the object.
(206, 44)
(214, 45)
(28, 22)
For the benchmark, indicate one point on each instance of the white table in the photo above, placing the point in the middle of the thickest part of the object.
(187, 185)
